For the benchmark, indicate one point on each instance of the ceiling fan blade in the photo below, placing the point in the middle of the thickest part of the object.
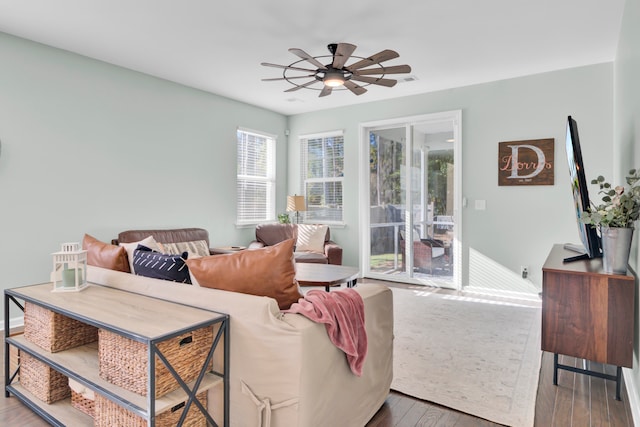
(379, 57)
(287, 78)
(293, 89)
(325, 91)
(287, 67)
(355, 88)
(304, 55)
(396, 69)
(343, 52)
(375, 80)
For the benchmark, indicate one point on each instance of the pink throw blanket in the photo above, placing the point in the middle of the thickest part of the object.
(342, 311)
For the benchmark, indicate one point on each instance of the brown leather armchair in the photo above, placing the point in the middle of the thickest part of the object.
(270, 234)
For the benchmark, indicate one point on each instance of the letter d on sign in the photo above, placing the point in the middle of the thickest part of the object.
(526, 162)
(517, 166)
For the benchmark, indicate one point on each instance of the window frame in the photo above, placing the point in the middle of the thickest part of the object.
(304, 180)
(269, 178)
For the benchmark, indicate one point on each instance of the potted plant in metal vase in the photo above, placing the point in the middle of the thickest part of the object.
(615, 217)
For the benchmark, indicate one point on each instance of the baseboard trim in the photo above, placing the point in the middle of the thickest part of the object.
(16, 322)
(634, 402)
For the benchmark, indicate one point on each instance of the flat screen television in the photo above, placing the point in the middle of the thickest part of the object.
(588, 234)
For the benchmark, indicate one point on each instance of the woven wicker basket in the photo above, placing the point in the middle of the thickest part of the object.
(53, 331)
(109, 414)
(124, 362)
(81, 403)
(82, 398)
(42, 381)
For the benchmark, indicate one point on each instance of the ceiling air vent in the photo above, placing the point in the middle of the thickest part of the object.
(407, 79)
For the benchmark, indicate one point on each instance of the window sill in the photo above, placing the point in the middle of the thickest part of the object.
(330, 224)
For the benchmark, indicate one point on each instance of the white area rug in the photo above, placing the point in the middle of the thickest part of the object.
(471, 354)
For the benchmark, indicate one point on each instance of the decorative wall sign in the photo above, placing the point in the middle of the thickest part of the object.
(526, 162)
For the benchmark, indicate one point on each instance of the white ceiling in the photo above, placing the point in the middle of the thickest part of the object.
(217, 46)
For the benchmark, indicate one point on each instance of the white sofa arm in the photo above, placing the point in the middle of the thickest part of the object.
(325, 370)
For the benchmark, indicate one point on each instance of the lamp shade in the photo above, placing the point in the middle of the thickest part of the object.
(295, 204)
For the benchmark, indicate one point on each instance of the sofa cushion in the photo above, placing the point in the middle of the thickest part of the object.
(311, 238)
(165, 235)
(268, 271)
(105, 255)
(149, 242)
(311, 257)
(195, 248)
(271, 234)
(150, 263)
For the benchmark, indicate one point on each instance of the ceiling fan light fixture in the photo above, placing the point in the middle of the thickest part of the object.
(337, 75)
(333, 79)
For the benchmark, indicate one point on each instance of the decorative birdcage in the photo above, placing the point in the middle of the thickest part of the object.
(69, 268)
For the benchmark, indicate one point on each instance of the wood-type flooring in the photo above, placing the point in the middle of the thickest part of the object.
(577, 401)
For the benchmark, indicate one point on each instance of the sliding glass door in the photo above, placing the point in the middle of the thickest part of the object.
(411, 204)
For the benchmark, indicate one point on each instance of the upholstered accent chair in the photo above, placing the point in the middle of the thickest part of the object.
(324, 251)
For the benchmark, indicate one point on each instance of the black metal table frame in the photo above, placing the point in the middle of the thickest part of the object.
(617, 377)
(152, 345)
(351, 283)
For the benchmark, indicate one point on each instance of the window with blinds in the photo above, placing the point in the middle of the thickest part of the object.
(322, 176)
(256, 177)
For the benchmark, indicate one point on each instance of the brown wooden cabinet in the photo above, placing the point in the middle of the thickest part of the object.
(587, 313)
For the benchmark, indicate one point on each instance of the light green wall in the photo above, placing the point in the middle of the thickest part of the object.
(626, 149)
(91, 147)
(520, 224)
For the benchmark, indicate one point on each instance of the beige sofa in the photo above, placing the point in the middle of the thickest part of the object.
(284, 370)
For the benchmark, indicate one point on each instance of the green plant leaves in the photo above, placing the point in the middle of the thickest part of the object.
(619, 208)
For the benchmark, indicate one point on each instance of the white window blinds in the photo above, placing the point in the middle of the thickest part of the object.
(255, 177)
(322, 176)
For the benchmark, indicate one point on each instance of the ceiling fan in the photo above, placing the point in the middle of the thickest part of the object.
(368, 71)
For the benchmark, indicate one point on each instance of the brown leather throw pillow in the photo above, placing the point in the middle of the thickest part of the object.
(268, 271)
(105, 255)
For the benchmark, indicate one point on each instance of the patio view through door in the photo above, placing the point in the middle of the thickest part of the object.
(411, 230)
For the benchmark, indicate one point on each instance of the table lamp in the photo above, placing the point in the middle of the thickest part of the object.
(296, 204)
